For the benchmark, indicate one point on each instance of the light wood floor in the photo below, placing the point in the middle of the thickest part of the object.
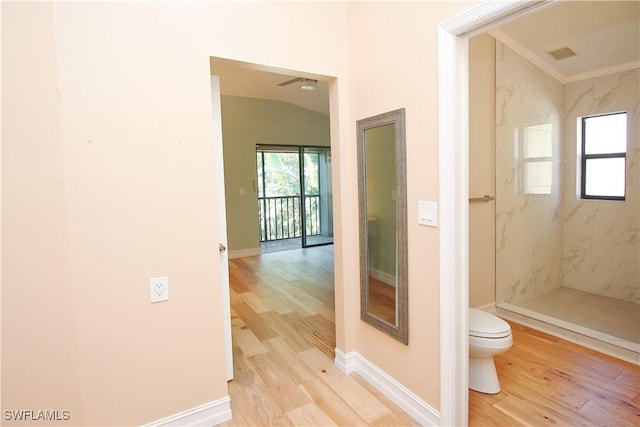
(283, 325)
(547, 381)
(284, 337)
(382, 300)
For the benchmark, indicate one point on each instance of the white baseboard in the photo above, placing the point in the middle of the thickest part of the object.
(386, 278)
(209, 414)
(241, 253)
(420, 410)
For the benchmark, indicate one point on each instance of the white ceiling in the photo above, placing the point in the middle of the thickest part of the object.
(604, 34)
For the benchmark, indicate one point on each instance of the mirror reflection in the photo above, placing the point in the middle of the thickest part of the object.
(383, 234)
(381, 221)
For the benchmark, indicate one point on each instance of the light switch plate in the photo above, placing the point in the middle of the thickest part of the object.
(428, 213)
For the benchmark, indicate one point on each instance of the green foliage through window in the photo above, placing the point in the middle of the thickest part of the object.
(279, 191)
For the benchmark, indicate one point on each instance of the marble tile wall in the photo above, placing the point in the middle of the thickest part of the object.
(546, 237)
(601, 240)
(529, 248)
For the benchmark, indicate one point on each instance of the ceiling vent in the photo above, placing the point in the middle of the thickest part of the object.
(562, 53)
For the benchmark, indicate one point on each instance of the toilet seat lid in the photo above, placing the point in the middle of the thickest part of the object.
(486, 325)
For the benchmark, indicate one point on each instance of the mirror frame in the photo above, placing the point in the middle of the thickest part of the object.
(399, 331)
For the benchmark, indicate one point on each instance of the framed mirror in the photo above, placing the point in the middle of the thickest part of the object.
(382, 199)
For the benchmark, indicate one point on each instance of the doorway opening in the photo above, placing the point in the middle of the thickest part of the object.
(271, 287)
(294, 196)
(453, 36)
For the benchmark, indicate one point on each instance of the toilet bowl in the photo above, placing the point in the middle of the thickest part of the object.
(488, 336)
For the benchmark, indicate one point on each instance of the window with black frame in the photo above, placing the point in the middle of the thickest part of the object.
(604, 152)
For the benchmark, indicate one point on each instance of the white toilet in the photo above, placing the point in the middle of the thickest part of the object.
(488, 336)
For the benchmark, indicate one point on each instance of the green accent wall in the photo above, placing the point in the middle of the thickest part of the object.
(381, 205)
(245, 123)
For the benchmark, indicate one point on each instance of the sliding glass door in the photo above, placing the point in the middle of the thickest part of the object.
(294, 194)
(316, 192)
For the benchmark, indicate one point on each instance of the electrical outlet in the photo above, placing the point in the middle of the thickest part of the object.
(159, 288)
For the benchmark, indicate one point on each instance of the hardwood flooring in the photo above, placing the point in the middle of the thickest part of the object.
(382, 300)
(547, 381)
(284, 338)
(283, 326)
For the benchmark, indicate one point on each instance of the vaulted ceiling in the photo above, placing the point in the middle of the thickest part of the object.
(605, 36)
(252, 81)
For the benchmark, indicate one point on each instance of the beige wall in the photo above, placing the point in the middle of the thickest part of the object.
(39, 360)
(482, 222)
(393, 64)
(245, 123)
(108, 179)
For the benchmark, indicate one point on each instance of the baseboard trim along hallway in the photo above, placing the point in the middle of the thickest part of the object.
(420, 410)
(241, 253)
(209, 414)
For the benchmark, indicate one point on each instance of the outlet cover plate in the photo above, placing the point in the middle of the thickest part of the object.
(159, 289)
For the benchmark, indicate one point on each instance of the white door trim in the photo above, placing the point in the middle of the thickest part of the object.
(454, 194)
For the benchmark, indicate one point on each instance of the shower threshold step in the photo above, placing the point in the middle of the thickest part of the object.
(587, 337)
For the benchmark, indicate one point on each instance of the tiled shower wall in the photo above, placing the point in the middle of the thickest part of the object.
(601, 244)
(545, 236)
(528, 225)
